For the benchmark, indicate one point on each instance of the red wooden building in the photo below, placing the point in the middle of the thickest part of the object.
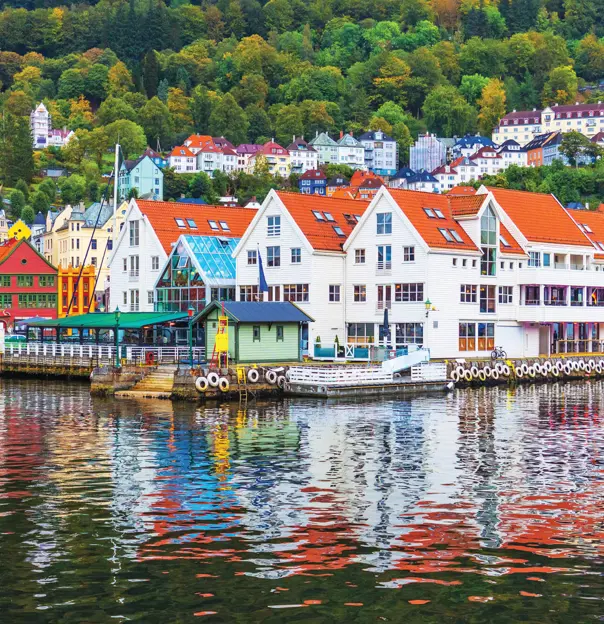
(28, 283)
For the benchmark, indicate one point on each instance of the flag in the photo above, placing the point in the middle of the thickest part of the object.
(262, 285)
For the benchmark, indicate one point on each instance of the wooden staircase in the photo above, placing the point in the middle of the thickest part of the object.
(157, 384)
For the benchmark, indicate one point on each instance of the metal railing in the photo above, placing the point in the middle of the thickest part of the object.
(381, 305)
(102, 354)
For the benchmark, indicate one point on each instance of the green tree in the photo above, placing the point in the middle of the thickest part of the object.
(561, 86)
(229, 120)
(201, 186)
(150, 73)
(23, 187)
(448, 113)
(39, 202)
(17, 203)
(113, 109)
(28, 215)
(260, 124)
(471, 87)
(574, 146)
(492, 106)
(71, 84)
(73, 188)
(119, 79)
(156, 121)
(200, 106)
(48, 187)
(16, 151)
(129, 135)
(288, 122)
(175, 184)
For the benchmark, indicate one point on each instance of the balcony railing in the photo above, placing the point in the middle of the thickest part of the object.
(552, 302)
(133, 275)
(577, 303)
(381, 305)
(383, 267)
(532, 302)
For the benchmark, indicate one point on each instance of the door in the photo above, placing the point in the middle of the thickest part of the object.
(544, 340)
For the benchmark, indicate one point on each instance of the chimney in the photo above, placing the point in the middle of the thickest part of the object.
(341, 134)
(586, 205)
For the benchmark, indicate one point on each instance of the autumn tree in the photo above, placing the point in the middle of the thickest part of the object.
(492, 106)
(561, 86)
(448, 113)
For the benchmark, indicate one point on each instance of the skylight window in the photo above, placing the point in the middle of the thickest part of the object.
(446, 235)
(183, 262)
(180, 223)
(329, 216)
(338, 230)
(318, 216)
(438, 213)
(213, 225)
(225, 226)
(357, 217)
(429, 213)
(192, 224)
(587, 228)
(601, 246)
(503, 241)
(456, 236)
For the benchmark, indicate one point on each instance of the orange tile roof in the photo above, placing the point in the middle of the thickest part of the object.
(358, 177)
(514, 247)
(182, 150)
(162, 217)
(465, 205)
(595, 222)
(7, 247)
(199, 140)
(342, 192)
(412, 203)
(321, 234)
(462, 190)
(539, 217)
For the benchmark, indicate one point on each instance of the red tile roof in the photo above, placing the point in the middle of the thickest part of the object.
(162, 217)
(485, 152)
(181, 150)
(358, 177)
(199, 140)
(514, 246)
(595, 222)
(465, 205)
(267, 149)
(313, 174)
(321, 234)
(539, 217)
(6, 248)
(412, 203)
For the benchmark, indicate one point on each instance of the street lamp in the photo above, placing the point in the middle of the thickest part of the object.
(190, 312)
(117, 337)
(428, 305)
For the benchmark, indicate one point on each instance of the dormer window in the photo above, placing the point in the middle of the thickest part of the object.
(446, 235)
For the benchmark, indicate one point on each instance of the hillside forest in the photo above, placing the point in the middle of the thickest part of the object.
(151, 73)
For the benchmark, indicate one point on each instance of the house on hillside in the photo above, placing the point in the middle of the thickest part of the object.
(143, 175)
(313, 182)
(381, 152)
(303, 157)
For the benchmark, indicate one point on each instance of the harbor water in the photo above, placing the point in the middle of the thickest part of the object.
(483, 505)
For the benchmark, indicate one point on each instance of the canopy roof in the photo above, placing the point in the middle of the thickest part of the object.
(128, 320)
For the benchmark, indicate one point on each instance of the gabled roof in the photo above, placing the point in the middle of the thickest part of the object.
(342, 193)
(463, 161)
(321, 233)
(198, 140)
(269, 146)
(6, 248)
(248, 148)
(539, 217)
(313, 174)
(485, 152)
(462, 190)
(323, 139)
(595, 221)
(543, 139)
(299, 144)
(349, 141)
(412, 204)
(533, 117)
(162, 217)
(598, 138)
(445, 170)
(92, 213)
(223, 143)
(465, 205)
(259, 311)
(513, 247)
(421, 176)
(358, 177)
(182, 150)
(370, 183)
(404, 173)
(471, 140)
(212, 257)
(371, 136)
(152, 153)
(338, 181)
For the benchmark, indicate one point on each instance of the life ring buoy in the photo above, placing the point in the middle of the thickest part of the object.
(488, 371)
(495, 375)
(201, 383)
(482, 375)
(575, 365)
(537, 368)
(505, 370)
(548, 367)
(281, 381)
(454, 376)
(598, 368)
(223, 384)
(568, 369)
(474, 371)
(588, 368)
(467, 374)
(213, 379)
(149, 358)
(253, 375)
(271, 377)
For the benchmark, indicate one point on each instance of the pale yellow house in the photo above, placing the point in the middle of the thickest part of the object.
(71, 239)
(3, 226)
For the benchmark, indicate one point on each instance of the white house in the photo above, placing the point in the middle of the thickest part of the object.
(144, 243)
(351, 152)
(299, 238)
(381, 152)
(43, 134)
(303, 157)
(461, 274)
(183, 160)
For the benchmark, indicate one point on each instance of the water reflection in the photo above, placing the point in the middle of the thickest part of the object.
(126, 508)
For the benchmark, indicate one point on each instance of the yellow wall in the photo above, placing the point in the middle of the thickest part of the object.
(84, 301)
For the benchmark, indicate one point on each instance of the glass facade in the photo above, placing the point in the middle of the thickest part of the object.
(200, 269)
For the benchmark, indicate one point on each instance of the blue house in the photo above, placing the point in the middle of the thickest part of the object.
(144, 176)
(156, 157)
(313, 182)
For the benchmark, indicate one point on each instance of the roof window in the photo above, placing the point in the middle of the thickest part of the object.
(225, 226)
(329, 216)
(503, 241)
(429, 213)
(213, 225)
(438, 213)
(192, 224)
(338, 230)
(357, 217)
(318, 216)
(446, 235)
(180, 223)
(587, 228)
(456, 236)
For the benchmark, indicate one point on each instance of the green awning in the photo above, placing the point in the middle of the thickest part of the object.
(99, 320)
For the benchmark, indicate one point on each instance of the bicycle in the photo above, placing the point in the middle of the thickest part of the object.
(498, 354)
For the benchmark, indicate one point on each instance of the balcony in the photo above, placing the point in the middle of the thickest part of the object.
(133, 275)
(532, 302)
(384, 305)
(553, 302)
(383, 268)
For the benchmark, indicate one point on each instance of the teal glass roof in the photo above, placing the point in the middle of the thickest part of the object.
(214, 258)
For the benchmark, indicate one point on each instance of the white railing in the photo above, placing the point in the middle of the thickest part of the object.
(435, 371)
(339, 376)
(132, 354)
(133, 275)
